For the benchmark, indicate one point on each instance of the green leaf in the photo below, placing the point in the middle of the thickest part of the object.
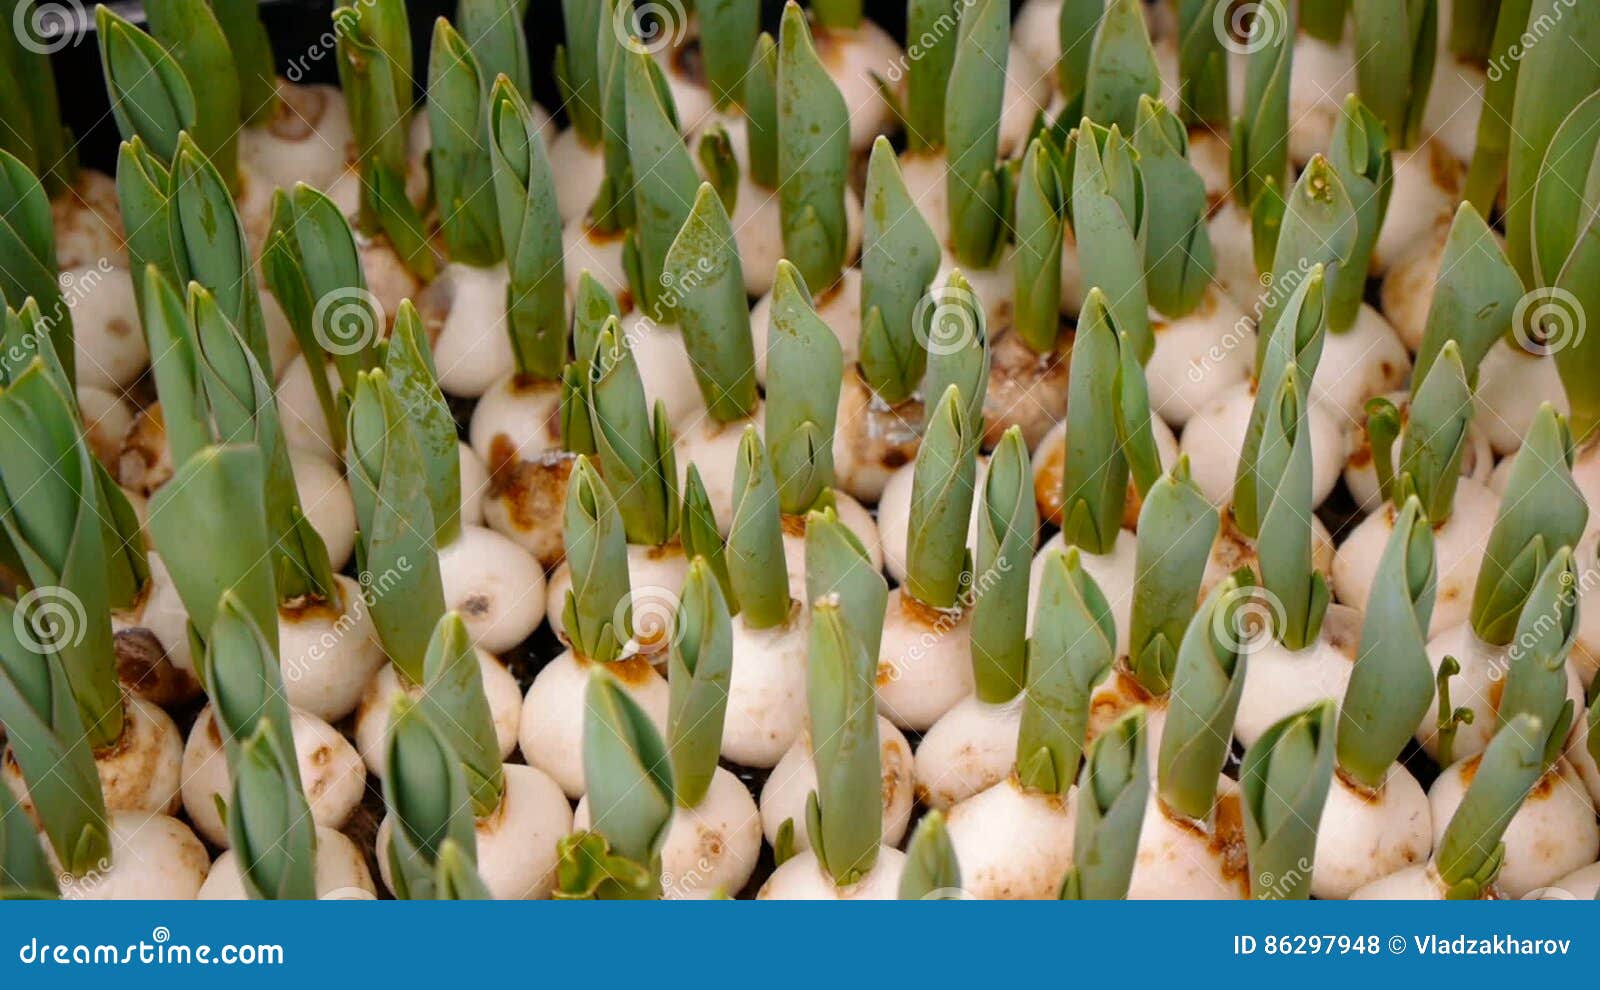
(388, 481)
(1283, 787)
(50, 512)
(1283, 497)
(1203, 63)
(1008, 523)
(761, 113)
(699, 669)
(1108, 210)
(1474, 298)
(270, 827)
(597, 553)
(1177, 526)
(28, 266)
(929, 26)
(635, 448)
(702, 275)
(580, 74)
(1391, 684)
(837, 565)
(1536, 671)
(530, 227)
(942, 489)
(755, 538)
(931, 871)
(1435, 437)
(1361, 158)
(1094, 477)
(977, 193)
(459, 155)
(845, 811)
(663, 175)
(1541, 509)
(629, 774)
(25, 874)
(408, 362)
(252, 56)
(1113, 790)
(1122, 67)
(194, 38)
(454, 702)
(700, 536)
(1206, 685)
(899, 258)
(493, 30)
(1493, 146)
(151, 98)
(1470, 852)
(728, 30)
(805, 371)
(1041, 218)
(1178, 260)
(950, 322)
(1398, 42)
(1073, 647)
(1320, 227)
(813, 156)
(1259, 136)
(35, 134)
(433, 846)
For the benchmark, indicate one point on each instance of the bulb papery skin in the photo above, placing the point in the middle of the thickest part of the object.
(1414, 883)
(1577, 754)
(474, 485)
(839, 306)
(802, 878)
(655, 575)
(1512, 384)
(1585, 656)
(1366, 360)
(1361, 476)
(894, 516)
(341, 872)
(1579, 885)
(871, 439)
(1013, 844)
(153, 858)
(107, 341)
(585, 249)
(1368, 834)
(325, 498)
(925, 173)
(924, 662)
(1027, 389)
(1458, 547)
(582, 169)
(106, 421)
(1188, 860)
(518, 418)
(305, 140)
(1200, 356)
(88, 222)
(305, 428)
(282, 345)
(971, 748)
(1214, 434)
(1552, 833)
(522, 500)
(1279, 680)
(766, 691)
(1229, 227)
(551, 732)
(472, 349)
(329, 651)
(498, 587)
(1113, 572)
(331, 774)
(160, 612)
(712, 848)
(783, 796)
(1478, 686)
(665, 368)
(140, 773)
(145, 463)
(1408, 287)
(1319, 75)
(372, 717)
(1049, 461)
(1428, 182)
